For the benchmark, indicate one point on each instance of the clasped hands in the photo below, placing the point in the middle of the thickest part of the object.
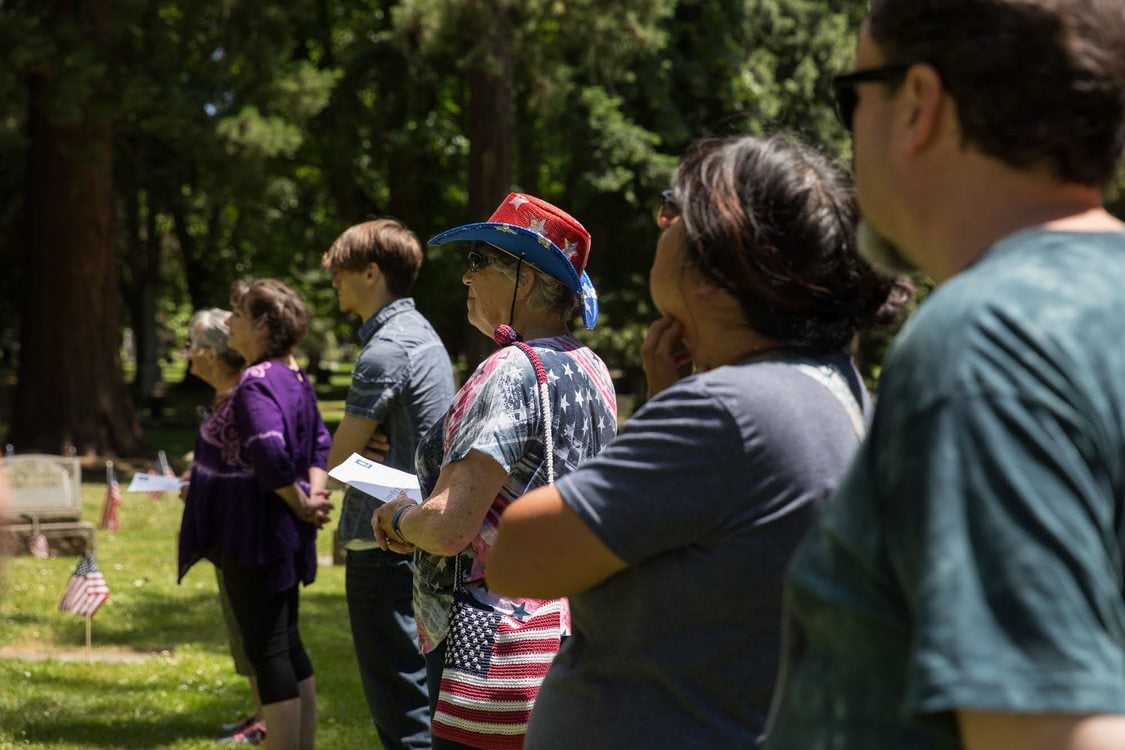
(314, 508)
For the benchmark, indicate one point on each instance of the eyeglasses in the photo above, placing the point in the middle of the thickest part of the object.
(668, 210)
(843, 87)
(478, 260)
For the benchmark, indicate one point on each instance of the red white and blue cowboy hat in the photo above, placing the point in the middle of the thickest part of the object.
(545, 236)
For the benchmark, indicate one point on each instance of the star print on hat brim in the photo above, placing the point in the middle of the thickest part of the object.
(543, 235)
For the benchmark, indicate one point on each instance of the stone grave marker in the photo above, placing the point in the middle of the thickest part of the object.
(46, 498)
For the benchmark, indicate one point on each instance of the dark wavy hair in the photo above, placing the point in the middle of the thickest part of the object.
(1037, 82)
(772, 221)
(271, 303)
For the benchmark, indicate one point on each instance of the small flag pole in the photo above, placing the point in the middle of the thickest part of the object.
(89, 633)
(110, 519)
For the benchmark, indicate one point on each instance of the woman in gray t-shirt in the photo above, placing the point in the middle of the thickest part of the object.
(673, 542)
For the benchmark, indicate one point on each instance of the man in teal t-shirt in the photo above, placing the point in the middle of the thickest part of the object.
(964, 588)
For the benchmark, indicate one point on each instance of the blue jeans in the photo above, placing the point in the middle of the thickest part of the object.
(381, 609)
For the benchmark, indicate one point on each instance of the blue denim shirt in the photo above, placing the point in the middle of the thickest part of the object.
(403, 380)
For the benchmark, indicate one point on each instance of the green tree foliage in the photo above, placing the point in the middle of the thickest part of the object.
(247, 135)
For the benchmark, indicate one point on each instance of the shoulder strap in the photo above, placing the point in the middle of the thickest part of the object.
(834, 382)
(506, 336)
(544, 404)
(548, 434)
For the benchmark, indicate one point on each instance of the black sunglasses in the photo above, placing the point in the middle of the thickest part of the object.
(668, 210)
(843, 87)
(478, 260)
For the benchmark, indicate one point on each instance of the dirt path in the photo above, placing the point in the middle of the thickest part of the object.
(117, 657)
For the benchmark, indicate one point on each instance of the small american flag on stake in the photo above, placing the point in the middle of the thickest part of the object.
(163, 468)
(87, 590)
(110, 519)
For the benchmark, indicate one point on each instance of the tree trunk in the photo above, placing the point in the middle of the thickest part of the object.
(490, 115)
(192, 273)
(490, 129)
(529, 137)
(71, 390)
(142, 253)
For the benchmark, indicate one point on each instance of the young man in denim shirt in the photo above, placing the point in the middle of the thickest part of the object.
(401, 385)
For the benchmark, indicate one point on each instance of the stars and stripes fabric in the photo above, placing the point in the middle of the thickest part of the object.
(538, 422)
(494, 665)
(110, 516)
(499, 412)
(87, 590)
(496, 660)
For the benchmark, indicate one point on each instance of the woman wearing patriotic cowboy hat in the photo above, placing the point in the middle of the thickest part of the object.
(532, 411)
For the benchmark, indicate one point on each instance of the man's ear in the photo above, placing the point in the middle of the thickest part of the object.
(926, 107)
(371, 271)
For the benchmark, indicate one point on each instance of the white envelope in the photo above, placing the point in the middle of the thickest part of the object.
(154, 483)
(381, 482)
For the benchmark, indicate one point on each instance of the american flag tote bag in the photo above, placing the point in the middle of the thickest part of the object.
(496, 661)
(494, 665)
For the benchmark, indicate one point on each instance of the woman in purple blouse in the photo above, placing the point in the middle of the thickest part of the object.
(264, 535)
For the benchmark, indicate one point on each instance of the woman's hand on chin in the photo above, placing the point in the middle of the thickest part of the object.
(663, 354)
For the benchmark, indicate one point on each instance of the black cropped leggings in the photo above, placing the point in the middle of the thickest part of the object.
(269, 631)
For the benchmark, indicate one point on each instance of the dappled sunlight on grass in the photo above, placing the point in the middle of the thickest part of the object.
(185, 687)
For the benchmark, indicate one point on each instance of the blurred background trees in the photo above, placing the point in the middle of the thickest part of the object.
(156, 150)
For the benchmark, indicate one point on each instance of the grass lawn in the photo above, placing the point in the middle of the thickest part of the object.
(161, 675)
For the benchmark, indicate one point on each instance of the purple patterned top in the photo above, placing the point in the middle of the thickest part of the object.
(265, 436)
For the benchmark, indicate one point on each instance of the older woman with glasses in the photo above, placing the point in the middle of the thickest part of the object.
(532, 411)
(216, 481)
(672, 543)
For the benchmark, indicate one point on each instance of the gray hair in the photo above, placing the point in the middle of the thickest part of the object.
(549, 293)
(208, 328)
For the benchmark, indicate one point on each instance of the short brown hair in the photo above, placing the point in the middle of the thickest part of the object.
(387, 243)
(1038, 83)
(271, 303)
